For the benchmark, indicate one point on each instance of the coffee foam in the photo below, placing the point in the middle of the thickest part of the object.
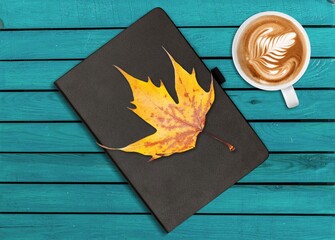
(271, 50)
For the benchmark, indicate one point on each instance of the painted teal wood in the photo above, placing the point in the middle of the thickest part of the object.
(69, 44)
(75, 14)
(25, 75)
(108, 200)
(120, 198)
(74, 137)
(67, 167)
(46, 106)
(115, 226)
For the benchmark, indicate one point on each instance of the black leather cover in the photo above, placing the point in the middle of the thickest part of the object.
(173, 187)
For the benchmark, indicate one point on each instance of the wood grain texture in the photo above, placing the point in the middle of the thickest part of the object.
(254, 105)
(120, 198)
(74, 137)
(26, 75)
(58, 179)
(75, 167)
(75, 14)
(106, 226)
(70, 44)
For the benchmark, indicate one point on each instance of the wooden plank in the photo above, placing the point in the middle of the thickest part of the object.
(70, 44)
(106, 226)
(270, 105)
(34, 106)
(98, 167)
(25, 75)
(74, 137)
(75, 14)
(51, 106)
(120, 198)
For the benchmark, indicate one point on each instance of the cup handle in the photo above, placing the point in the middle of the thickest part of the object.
(290, 97)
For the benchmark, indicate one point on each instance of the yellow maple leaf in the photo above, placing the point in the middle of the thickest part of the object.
(177, 124)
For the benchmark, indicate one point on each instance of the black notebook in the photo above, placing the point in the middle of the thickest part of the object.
(175, 134)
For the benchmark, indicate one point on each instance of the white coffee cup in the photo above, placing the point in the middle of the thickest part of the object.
(287, 89)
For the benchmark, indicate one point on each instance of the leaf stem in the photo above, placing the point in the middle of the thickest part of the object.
(230, 147)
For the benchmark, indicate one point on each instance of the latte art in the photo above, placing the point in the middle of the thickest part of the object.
(271, 50)
(268, 52)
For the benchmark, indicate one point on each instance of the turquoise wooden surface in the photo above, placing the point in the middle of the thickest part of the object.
(49, 106)
(125, 226)
(86, 14)
(32, 75)
(96, 167)
(69, 44)
(119, 198)
(74, 137)
(55, 183)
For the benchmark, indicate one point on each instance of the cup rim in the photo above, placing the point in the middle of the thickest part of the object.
(235, 57)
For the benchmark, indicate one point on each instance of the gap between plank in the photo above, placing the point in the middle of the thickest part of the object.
(81, 59)
(199, 214)
(251, 121)
(103, 152)
(122, 27)
(126, 183)
(226, 89)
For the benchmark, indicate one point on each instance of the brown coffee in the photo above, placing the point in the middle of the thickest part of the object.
(271, 50)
